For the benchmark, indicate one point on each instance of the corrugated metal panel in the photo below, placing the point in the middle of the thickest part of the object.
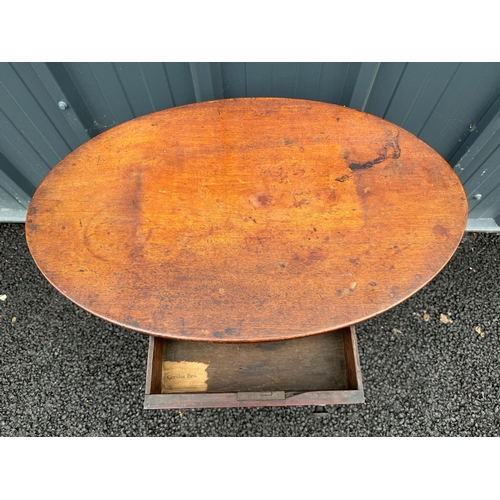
(453, 107)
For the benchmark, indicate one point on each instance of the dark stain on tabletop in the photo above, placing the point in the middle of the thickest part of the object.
(390, 150)
(31, 226)
(316, 255)
(261, 200)
(343, 178)
(440, 231)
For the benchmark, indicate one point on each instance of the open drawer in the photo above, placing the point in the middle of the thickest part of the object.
(317, 370)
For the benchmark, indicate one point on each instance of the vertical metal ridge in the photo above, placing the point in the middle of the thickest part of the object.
(489, 208)
(124, 92)
(207, 81)
(388, 106)
(110, 109)
(450, 118)
(71, 115)
(168, 84)
(271, 85)
(296, 86)
(350, 78)
(478, 165)
(448, 83)
(43, 111)
(26, 159)
(34, 128)
(415, 98)
(481, 148)
(196, 82)
(320, 73)
(245, 70)
(146, 87)
(364, 84)
(21, 137)
(488, 126)
(15, 183)
(12, 198)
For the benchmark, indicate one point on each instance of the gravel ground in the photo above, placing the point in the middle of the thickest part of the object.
(65, 372)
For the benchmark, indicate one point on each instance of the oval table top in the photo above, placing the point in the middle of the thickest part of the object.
(246, 220)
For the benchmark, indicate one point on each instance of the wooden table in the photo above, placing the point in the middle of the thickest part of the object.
(261, 228)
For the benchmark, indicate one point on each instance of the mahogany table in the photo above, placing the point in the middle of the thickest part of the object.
(247, 237)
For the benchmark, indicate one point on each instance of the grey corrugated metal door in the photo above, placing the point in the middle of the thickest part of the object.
(49, 109)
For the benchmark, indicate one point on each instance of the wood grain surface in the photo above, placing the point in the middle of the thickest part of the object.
(246, 220)
(314, 363)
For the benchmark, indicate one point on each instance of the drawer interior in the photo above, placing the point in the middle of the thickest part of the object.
(325, 362)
